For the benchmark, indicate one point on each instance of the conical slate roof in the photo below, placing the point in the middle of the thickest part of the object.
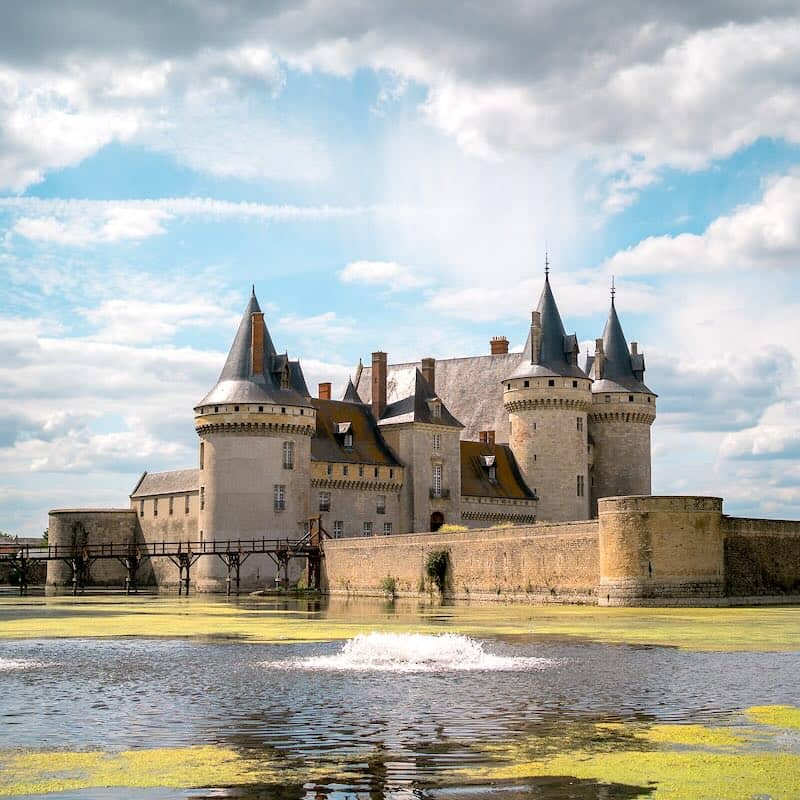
(618, 374)
(350, 394)
(238, 384)
(555, 345)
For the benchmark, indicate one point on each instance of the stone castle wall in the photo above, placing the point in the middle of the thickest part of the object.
(762, 557)
(557, 562)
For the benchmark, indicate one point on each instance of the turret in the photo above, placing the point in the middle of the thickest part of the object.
(255, 429)
(622, 411)
(547, 399)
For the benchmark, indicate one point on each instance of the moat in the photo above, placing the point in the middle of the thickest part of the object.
(109, 697)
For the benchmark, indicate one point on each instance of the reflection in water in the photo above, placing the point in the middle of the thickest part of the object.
(398, 716)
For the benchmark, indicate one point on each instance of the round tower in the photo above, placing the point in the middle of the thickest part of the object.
(255, 429)
(547, 399)
(621, 413)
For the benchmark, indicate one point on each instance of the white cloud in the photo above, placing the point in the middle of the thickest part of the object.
(118, 224)
(387, 275)
(761, 235)
(327, 325)
(776, 436)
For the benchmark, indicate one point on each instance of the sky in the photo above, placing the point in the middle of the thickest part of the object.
(389, 176)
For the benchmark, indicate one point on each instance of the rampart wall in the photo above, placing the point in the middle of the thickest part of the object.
(553, 562)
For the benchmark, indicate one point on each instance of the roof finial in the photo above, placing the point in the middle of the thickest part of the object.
(546, 265)
(253, 290)
(613, 290)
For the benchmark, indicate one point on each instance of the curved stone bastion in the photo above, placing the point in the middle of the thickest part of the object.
(657, 550)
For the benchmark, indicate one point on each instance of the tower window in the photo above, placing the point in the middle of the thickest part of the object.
(345, 470)
(202, 454)
(186, 504)
(580, 423)
(216, 409)
(141, 508)
(437, 441)
(608, 398)
(324, 501)
(574, 384)
(527, 384)
(630, 398)
(508, 386)
(580, 485)
(437, 480)
(338, 529)
(391, 474)
(387, 528)
(377, 472)
(288, 455)
(171, 504)
(155, 506)
(283, 409)
(330, 469)
(202, 497)
(360, 471)
(261, 409)
(236, 408)
(366, 529)
(551, 382)
(279, 497)
(381, 504)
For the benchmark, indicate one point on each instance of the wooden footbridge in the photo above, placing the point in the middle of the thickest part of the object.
(80, 554)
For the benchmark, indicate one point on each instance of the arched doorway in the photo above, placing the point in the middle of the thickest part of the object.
(437, 520)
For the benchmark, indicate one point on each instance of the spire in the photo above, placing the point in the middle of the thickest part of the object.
(546, 267)
(350, 393)
(557, 351)
(618, 363)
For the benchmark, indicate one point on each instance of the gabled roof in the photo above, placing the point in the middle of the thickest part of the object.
(553, 358)
(368, 444)
(418, 407)
(177, 481)
(476, 458)
(350, 393)
(618, 364)
(237, 384)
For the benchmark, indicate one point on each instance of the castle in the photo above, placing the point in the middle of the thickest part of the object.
(504, 438)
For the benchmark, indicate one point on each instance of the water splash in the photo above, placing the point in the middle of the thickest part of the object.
(412, 652)
(9, 664)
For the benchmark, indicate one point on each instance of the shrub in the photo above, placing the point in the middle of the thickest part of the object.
(436, 566)
(449, 528)
(389, 586)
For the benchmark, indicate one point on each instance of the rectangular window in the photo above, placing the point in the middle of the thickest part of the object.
(526, 385)
(330, 469)
(580, 485)
(377, 472)
(381, 504)
(493, 473)
(338, 529)
(630, 398)
(202, 454)
(348, 441)
(387, 528)
(608, 398)
(155, 506)
(279, 497)
(345, 470)
(186, 504)
(324, 501)
(288, 455)
(437, 441)
(361, 472)
(171, 504)
(391, 474)
(436, 409)
(574, 384)
(580, 423)
(551, 382)
(366, 530)
(202, 497)
(437, 480)
(141, 508)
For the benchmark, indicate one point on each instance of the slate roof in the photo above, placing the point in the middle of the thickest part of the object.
(416, 407)
(619, 366)
(470, 387)
(178, 481)
(556, 346)
(350, 393)
(237, 384)
(368, 444)
(475, 481)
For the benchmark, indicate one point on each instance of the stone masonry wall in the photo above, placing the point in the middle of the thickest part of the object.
(557, 562)
(762, 557)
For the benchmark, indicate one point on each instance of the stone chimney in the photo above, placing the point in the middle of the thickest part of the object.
(634, 348)
(498, 345)
(429, 371)
(257, 346)
(379, 368)
(486, 437)
(324, 391)
(536, 336)
(599, 359)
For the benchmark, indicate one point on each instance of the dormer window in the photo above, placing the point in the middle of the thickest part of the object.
(493, 473)
(285, 378)
(436, 408)
(345, 430)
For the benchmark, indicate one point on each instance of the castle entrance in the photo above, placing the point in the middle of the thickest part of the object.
(437, 520)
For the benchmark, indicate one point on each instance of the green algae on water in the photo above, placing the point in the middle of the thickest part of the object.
(776, 716)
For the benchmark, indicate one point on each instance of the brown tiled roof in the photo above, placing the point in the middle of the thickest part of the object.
(368, 444)
(175, 482)
(475, 475)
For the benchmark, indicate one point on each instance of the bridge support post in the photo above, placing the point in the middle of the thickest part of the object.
(184, 567)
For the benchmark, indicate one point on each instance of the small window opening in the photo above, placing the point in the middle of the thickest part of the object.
(551, 382)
